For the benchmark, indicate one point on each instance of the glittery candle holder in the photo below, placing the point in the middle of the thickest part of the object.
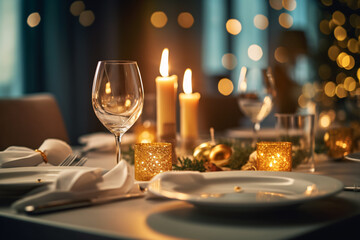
(340, 142)
(274, 156)
(152, 159)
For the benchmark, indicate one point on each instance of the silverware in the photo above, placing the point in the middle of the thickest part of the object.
(73, 160)
(59, 205)
(354, 188)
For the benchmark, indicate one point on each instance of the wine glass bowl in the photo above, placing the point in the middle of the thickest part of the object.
(117, 96)
(256, 92)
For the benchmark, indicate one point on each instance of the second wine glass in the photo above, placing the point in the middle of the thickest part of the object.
(117, 97)
(256, 92)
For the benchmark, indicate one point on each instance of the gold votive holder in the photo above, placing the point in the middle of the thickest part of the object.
(152, 159)
(274, 156)
(340, 142)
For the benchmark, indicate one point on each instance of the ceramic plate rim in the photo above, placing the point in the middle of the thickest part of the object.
(353, 157)
(320, 180)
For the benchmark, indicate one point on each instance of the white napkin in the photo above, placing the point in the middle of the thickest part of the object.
(55, 150)
(101, 141)
(80, 184)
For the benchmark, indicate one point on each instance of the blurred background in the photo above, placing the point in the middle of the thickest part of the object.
(313, 48)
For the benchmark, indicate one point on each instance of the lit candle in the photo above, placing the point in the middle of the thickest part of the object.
(274, 156)
(188, 109)
(166, 88)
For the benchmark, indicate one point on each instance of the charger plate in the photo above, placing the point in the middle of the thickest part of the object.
(243, 190)
(353, 157)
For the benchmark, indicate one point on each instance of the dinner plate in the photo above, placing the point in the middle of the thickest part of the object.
(353, 157)
(244, 190)
(17, 181)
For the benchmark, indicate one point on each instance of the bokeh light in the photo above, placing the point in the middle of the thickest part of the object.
(349, 84)
(329, 89)
(354, 20)
(340, 33)
(33, 19)
(229, 61)
(276, 4)
(333, 52)
(302, 101)
(77, 7)
(233, 26)
(324, 120)
(285, 20)
(225, 86)
(340, 78)
(338, 17)
(327, 2)
(340, 91)
(261, 21)
(289, 5)
(324, 27)
(255, 52)
(87, 18)
(358, 74)
(185, 20)
(308, 90)
(353, 45)
(280, 55)
(158, 19)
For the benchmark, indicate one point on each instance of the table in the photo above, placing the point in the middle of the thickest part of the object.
(144, 218)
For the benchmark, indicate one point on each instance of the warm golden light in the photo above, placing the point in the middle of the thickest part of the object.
(285, 20)
(340, 33)
(349, 65)
(340, 77)
(187, 85)
(338, 17)
(33, 19)
(255, 52)
(280, 55)
(261, 21)
(185, 20)
(324, 27)
(164, 63)
(349, 84)
(340, 142)
(289, 5)
(274, 156)
(302, 101)
(333, 52)
(327, 2)
(225, 86)
(242, 85)
(233, 26)
(87, 18)
(107, 88)
(329, 89)
(340, 91)
(353, 45)
(77, 7)
(358, 74)
(308, 90)
(324, 121)
(229, 61)
(276, 4)
(340, 58)
(158, 19)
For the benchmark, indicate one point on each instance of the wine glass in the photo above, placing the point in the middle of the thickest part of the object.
(117, 97)
(256, 90)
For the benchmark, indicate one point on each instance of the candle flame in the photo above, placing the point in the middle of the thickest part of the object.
(187, 81)
(164, 63)
(242, 80)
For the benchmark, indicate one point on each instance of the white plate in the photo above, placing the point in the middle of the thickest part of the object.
(259, 190)
(17, 181)
(353, 157)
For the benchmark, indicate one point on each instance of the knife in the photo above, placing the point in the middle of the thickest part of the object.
(354, 188)
(59, 205)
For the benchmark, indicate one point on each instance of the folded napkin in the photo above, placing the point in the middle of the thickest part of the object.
(84, 183)
(52, 150)
(103, 141)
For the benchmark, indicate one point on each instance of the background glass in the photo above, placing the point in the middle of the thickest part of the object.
(299, 130)
(117, 96)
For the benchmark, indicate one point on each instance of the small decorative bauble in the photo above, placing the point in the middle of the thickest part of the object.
(220, 155)
(203, 150)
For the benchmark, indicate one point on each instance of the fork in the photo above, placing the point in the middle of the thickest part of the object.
(73, 160)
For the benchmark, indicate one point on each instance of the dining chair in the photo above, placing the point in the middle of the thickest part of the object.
(29, 120)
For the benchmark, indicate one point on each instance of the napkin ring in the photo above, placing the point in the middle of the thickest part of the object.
(43, 155)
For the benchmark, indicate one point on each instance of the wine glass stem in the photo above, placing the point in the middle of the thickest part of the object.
(118, 148)
(256, 128)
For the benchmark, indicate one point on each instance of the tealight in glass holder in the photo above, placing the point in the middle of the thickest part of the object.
(274, 156)
(340, 142)
(152, 159)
